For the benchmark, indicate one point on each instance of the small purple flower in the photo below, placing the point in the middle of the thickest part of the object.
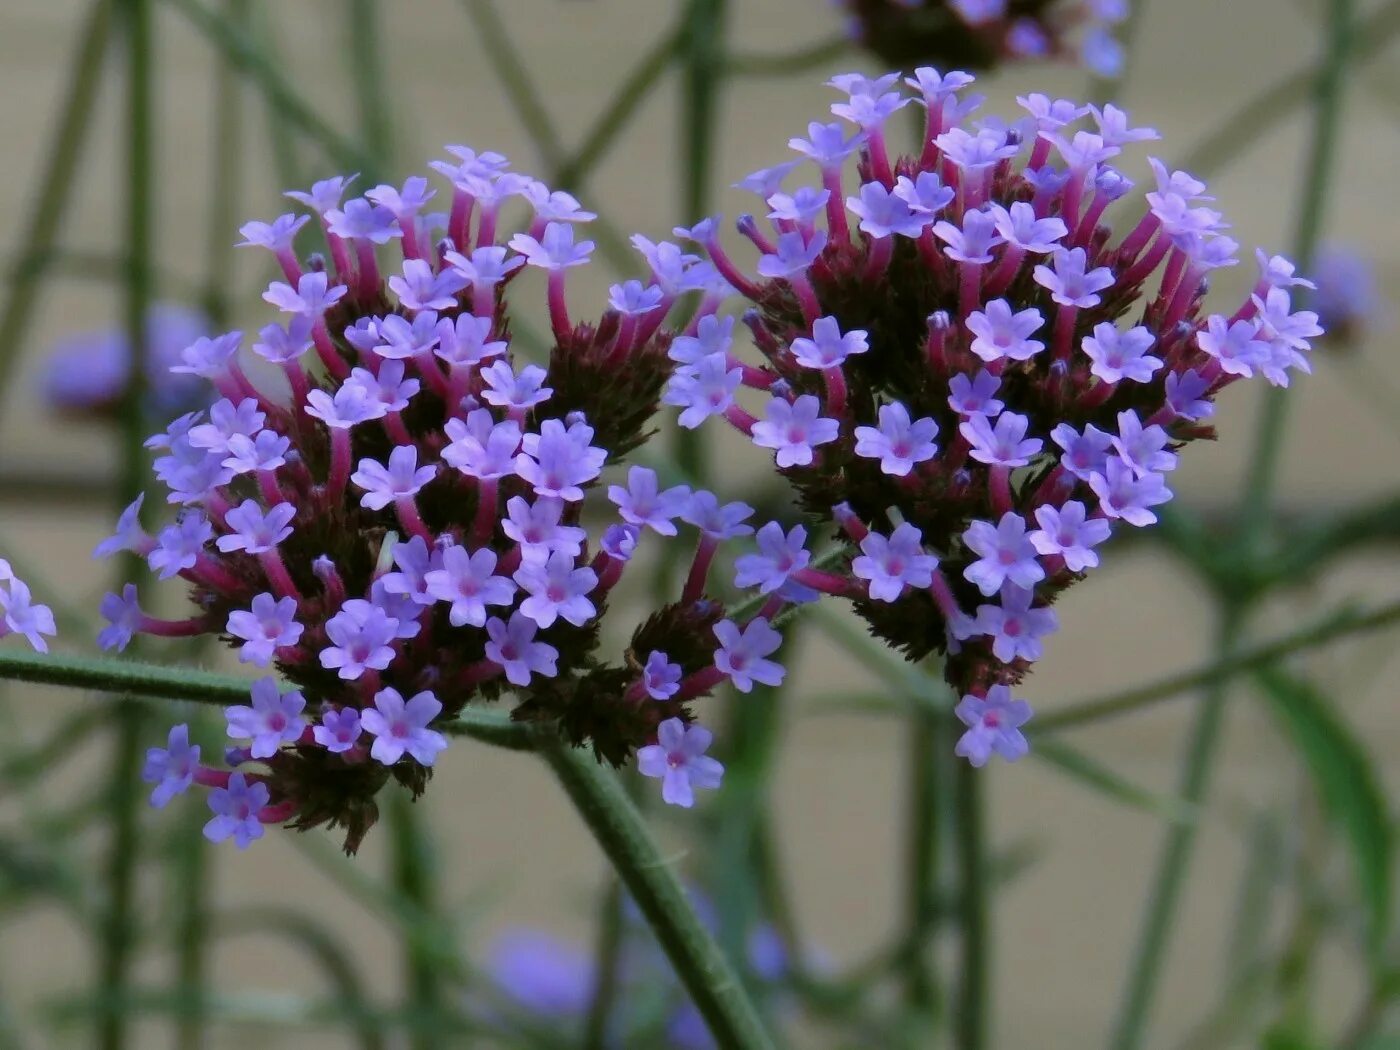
(123, 615)
(634, 299)
(1068, 281)
(555, 205)
(129, 535)
(171, 768)
(351, 405)
(1120, 355)
(266, 450)
(678, 759)
(338, 731)
(557, 590)
(1020, 227)
(413, 560)
(1083, 454)
(1002, 334)
(1186, 392)
(20, 615)
(361, 220)
(975, 397)
(362, 636)
(1005, 554)
(506, 389)
(273, 719)
(793, 429)
(891, 564)
(828, 348)
(779, 556)
(401, 728)
(236, 810)
(718, 522)
(925, 194)
(1143, 448)
(884, 214)
(209, 356)
(312, 297)
(179, 546)
(482, 448)
(1113, 123)
(269, 625)
(643, 503)
(1004, 445)
(555, 250)
(1234, 344)
(619, 542)
(993, 725)
(898, 443)
(465, 341)
(536, 527)
(226, 421)
(660, 677)
(741, 655)
(324, 195)
(795, 252)
(1122, 494)
(401, 339)
(467, 582)
(976, 152)
(558, 461)
(401, 479)
(1015, 627)
(513, 649)
(826, 144)
(419, 288)
(1069, 533)
(256, 530)
(486, 267)
(276, 236)
(703, 390)
(973, 243)
(800, 207)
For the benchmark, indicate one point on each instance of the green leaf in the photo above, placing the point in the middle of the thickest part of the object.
(1105, 781)
(1347, 782)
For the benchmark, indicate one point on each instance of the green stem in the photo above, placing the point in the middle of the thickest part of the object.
(1131, 1026)
(54, 185)
(702, 69)
(413, 880)
(130, 677)
(1230, 664)
(928, 744)
(366, 73)
(974, 993)
(606, 957)
(635, 89)
(241, 49)
(1262, 113)
(698, 961)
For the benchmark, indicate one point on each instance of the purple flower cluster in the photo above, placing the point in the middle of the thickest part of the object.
(968, 372)
(20, 614)
(980, 34)
(397, 526)
(87, 374)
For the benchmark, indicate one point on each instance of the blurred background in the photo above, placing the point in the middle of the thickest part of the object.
(1274, 894)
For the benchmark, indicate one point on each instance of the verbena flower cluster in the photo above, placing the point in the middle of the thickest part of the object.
(547, 984)
(397, 528)
(968, 372)
(981, 34)
(88, 374)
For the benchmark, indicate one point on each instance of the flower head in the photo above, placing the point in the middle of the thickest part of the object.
(679, 761)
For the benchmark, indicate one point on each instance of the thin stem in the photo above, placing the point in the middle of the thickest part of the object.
(605, 972)
(974, 993)
(1131, 1026)
(1128, 701)
(500, 51)
(54, 185)
(413, 881)
(927, 746)
(366, 73)
(636, 88)
(698, 961)
(702, 59)
(243, 51)
(130, 677)
(1321, 164)
(1262, 113)
(784, 63)
(119, 921)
